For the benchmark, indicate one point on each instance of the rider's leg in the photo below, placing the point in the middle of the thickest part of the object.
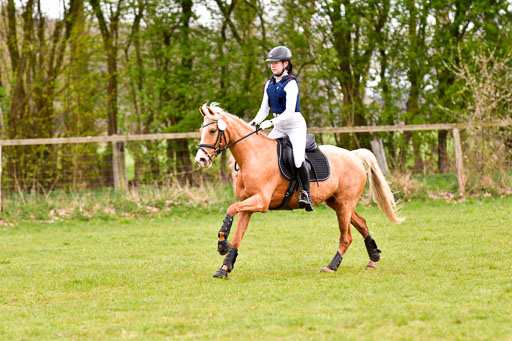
(297, 135)
(305, 195)
(298, 139)
(276, 133)
(296, 130)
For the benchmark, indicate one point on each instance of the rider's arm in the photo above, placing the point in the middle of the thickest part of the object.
(264, 108)
(292, 90)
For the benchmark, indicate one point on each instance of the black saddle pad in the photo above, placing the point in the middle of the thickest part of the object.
(316, 160)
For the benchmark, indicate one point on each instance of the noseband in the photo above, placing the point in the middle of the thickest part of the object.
(221, 137)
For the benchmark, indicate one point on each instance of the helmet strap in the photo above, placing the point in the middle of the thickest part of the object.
(281, 74)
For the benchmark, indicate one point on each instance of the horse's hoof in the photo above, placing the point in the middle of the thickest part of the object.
(223, 246)
(221, 273)
(327, 269)
(371, 265)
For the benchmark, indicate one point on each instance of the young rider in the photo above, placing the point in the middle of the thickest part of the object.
(281, 95)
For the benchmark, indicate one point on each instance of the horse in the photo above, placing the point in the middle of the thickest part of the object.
(260, 186)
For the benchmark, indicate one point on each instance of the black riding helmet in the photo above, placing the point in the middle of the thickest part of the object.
(279, 53)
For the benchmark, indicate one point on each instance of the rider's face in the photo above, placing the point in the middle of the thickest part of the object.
(278, 67)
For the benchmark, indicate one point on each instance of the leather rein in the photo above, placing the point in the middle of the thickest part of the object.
(221, 138)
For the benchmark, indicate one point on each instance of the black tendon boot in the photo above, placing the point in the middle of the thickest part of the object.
(304, 194)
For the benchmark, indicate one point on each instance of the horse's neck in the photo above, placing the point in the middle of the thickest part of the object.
(251, 148)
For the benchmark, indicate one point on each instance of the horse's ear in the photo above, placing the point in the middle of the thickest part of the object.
(201, 111)
(211, 111)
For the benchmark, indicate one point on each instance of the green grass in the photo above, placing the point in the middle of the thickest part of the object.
(444, 274)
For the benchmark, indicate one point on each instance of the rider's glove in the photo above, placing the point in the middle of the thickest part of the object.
(266, 124)
(253, 123)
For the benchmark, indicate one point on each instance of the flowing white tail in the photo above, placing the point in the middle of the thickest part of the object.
(379, 188)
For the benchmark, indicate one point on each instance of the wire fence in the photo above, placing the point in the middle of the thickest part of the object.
(120, 162)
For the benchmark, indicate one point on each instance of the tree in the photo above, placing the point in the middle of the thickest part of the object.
(135, 72)
(461, 24)
(36, 64)
(352, 29)
(416, 64)
(110, 34)
(180, 148)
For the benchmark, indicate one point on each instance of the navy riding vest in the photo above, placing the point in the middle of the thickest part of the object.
(277, 95)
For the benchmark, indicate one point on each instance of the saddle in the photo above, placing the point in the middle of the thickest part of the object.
(316, 162)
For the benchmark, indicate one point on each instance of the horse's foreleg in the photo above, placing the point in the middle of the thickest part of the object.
(230, 259)
(245, 208)
(223, 245)
(255, 203)
(251, 204)
(373, 252)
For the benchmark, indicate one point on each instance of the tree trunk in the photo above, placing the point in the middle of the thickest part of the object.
(137, 83)
(183, 162)
(354, 57)
(419, 165)
(415, 78)
(109, 34)
(442, 152)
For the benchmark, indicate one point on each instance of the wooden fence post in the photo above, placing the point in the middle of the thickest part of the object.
(118, 166)
(380, 155)
(1, 199)
(459, 161)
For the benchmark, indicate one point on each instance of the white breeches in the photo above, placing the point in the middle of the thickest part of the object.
(295, 128)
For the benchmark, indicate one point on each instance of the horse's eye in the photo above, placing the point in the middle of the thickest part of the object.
(213, 131)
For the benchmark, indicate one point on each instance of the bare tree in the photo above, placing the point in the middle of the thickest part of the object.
(110, 34)
(37, 59)
(487, 92)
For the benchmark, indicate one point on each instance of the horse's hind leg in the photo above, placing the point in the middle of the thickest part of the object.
(373, 252)
(343, 213)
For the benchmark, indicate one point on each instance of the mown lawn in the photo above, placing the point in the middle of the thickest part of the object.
(444, 274)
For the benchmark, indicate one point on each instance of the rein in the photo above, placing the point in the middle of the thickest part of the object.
(220, 137)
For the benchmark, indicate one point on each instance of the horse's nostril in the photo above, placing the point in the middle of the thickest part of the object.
(203, 161)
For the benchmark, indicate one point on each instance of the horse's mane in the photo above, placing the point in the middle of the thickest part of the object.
(214, 106)
(218, 110)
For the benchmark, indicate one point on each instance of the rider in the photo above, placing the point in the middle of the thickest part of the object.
(281, 95)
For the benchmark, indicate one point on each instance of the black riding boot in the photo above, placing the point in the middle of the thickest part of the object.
(304, 194)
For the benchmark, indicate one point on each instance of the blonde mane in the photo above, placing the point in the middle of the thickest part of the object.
(220, 111)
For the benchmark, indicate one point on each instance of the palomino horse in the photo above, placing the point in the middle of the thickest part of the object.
(260, 186)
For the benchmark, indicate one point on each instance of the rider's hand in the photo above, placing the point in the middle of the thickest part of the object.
(266, 124)
(253, 123)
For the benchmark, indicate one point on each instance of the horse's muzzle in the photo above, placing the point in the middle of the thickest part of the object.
(202, 160)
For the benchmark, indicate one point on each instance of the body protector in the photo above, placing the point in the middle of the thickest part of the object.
(277, 95)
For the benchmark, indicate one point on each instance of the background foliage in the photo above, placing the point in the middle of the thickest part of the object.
(144, 66)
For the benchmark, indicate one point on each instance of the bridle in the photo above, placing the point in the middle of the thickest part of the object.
(221, 138)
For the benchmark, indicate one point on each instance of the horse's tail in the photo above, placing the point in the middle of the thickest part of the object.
(379, 188)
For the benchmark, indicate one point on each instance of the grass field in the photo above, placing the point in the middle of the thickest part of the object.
(444, 274)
